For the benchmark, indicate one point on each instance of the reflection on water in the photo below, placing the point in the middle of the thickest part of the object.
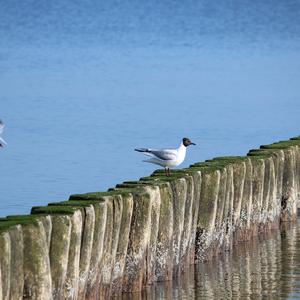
(265, 268)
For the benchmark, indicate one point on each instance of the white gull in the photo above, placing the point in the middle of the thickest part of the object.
(167, 158)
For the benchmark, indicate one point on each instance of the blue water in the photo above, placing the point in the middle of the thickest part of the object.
(84, 82)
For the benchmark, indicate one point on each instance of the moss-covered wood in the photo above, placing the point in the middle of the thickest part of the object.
(70, 288)
(5, 263)
(86, 248)
(16, 262)
(139, 236)
(289, 192)
(37, 274)
(123, 215)
(164, 248)
(97, 245)
(59, 253)
(97, 250)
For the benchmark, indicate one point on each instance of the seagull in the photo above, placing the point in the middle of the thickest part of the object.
(2, 142)
(167, 158)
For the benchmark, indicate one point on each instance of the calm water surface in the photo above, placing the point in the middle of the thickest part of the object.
(82, 83)
(265, 268)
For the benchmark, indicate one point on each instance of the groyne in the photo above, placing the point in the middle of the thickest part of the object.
(101, 244)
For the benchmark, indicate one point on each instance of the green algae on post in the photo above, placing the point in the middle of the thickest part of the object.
(10, 221)
(53, 210)
(100, 244)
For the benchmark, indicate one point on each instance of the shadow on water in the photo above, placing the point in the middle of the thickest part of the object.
(267, 267)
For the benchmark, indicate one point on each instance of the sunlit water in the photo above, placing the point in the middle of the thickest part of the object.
(84, 82)
(267, 267)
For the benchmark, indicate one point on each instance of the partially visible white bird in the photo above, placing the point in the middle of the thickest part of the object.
(167, 158)
(2, 142)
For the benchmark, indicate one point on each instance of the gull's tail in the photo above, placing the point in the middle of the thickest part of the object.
(142, 150)
(2, 142)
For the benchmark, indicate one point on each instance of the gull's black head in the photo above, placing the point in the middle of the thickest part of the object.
(187, 142)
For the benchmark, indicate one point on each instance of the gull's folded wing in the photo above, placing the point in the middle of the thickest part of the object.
(165, 154)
